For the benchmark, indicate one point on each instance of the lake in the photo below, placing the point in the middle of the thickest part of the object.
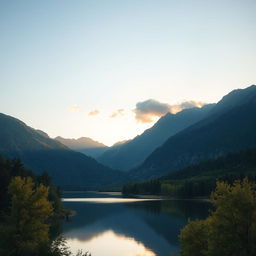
(106, 224)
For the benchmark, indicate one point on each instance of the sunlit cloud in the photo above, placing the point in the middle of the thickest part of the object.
(94, 112)
(74, 108)
(117, 113)
(185, 105)
(147, 110)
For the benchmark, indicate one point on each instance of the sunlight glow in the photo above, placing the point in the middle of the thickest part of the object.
(110, 244)
(108, 200)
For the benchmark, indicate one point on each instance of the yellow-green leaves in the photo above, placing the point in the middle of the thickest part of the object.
(231, 227)
(30, 210)
(194, 239)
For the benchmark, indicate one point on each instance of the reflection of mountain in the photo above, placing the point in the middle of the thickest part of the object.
(143, 221)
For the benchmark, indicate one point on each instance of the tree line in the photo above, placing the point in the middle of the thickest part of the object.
(30, 212)
(199, 180)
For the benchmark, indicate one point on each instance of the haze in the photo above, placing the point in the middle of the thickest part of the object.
(78, 68)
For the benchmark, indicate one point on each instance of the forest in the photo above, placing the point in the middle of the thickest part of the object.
(30, 213)
(199, 180)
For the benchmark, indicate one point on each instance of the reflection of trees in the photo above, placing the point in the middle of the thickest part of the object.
(173, 215)
(156, 224)
(184, 209)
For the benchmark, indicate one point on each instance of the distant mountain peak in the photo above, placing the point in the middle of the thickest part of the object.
(80, 143)
(41, 153)
(84, 145)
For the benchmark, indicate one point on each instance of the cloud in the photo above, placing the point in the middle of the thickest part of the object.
(74, 108)
(94, 112)
(117, 113)
(185, 105)
(192, 104)
(146, 110)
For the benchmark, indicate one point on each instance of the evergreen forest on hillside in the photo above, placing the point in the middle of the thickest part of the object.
(199, 180)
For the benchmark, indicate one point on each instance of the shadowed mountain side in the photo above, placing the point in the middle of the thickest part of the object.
(134, 152)
(84, 145)
(40, 153)
(237, 164)
(233, 99)
(229, 128)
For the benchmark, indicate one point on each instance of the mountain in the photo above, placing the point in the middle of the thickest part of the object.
(119, 143)
(229, 127)
(40, 153)
(132, 153)
(239, 163)
(200, 179)
(84, 145)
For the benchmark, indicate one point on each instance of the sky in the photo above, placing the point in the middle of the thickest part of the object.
(108, 69)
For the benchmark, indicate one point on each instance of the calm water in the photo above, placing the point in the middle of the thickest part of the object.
(109, 225)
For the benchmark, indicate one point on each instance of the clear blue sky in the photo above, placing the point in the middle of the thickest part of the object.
(61, 59)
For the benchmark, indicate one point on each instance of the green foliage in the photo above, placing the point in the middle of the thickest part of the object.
(8, 170)
(146, 187)
(231, 227)
(168, 189)
(12, 168)
(30, 209)
(194, 239)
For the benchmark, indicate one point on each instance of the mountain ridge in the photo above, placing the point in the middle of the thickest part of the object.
(39, 153)
(132, 153)
(84, 145)
(226, 130)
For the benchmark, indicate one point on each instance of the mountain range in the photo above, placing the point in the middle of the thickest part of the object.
(176, 141)
(229, 127)
(132, 153)
(41, 153)
(84, 145)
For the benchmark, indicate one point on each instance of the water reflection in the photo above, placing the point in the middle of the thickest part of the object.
(135, 228)
(109, 243)
(107, 200)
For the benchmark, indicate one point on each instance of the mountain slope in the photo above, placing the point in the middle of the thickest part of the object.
(200, 179)
(40, 153)
(134, 152)
(228, 128)
(239, 163)
(84, 145)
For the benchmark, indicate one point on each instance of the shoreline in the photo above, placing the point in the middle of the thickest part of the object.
(141, 196)
(168, 198)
